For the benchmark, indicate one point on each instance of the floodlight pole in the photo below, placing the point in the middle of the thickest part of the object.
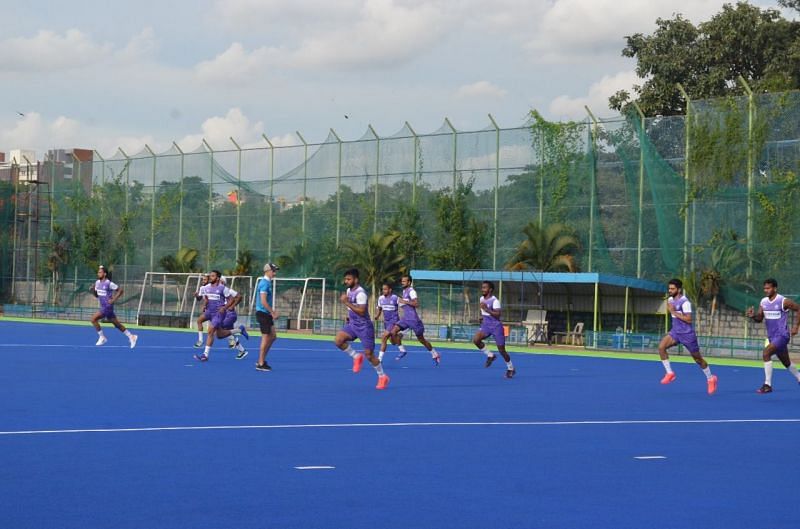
(14, 163)
(338, 188)
(238, 193)
(496, 189)
(687, 179)
(593, 185)
(750, 176)
(271, 196)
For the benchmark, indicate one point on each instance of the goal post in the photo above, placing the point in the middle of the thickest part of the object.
(300, 299)
(167, 298)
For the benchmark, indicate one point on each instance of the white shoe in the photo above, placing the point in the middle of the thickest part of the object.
(101, 340)
(133, 339)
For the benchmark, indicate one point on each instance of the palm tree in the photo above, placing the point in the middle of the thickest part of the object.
(546, 249)
(184, 261)
(378, 260)
(244, 264)
(728, 259)
(295, 262)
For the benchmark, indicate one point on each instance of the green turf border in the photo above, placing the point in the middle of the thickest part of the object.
(648, 357)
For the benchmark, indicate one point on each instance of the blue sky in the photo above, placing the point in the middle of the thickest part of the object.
(109, 74)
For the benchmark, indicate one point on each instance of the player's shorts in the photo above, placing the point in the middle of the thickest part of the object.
(365, 334)
(229, 319)
(688, 340)
(414, 325)
(388, 323)
(265, 322)
(781, 344)
(108, 312)
(216, 319)
(494, 329)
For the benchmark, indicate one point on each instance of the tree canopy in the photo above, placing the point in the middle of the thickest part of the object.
(760, 45)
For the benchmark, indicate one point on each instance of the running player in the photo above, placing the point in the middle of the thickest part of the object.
(359, 326)
(491, 325)
(266, 315)
(682, 332)
(200, 296)
(107, 293)
(388, 307)
(228, 323)
(216, 306)
(410, 319)
(773, 311)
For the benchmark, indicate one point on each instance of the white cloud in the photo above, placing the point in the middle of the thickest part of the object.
(236, 64)
(566, 107)
(34, 131)
(582, 30)
(51, 51)
(332, 35)
(481, 89)
(219, 130)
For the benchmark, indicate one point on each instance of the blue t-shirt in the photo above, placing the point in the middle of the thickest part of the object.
(264, 285)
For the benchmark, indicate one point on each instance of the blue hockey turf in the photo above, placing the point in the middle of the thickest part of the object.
(101, 437)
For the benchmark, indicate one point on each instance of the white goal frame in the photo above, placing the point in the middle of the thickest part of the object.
(187, 280)
(277, 280)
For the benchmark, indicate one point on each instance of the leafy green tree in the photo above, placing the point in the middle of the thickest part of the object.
(546, 249)
(408, 223)
(741, 40)
(461, 239)
(378, 259)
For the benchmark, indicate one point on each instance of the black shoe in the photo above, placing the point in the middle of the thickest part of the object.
(241, 354)
(263, 367)
(510, 373)
(766, 388)
(489, 360)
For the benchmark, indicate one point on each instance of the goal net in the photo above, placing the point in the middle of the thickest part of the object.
(167, 299)
(299, 300)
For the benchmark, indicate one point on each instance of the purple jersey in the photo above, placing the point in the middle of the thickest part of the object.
(389, 306)
(409, 311)
(216, 296)
(104, 289)
(493, 303)
(358, 296)
(775, 318)
(682, 305)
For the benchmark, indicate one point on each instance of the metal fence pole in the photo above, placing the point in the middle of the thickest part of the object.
(750, 167)
(455, 153)
(593, 185)
(687, 175)
(641, 191)
(210, 202)
(305, 184)
(338, 188)
(496, 189)
(377, 176)
(180, 204)
(238, 194)
(416, 163)
(271, 194)
(152, 210)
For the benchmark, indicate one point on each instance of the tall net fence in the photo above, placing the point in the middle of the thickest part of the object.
(709, 194)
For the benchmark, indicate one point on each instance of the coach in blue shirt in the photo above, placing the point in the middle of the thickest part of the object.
(266, 315)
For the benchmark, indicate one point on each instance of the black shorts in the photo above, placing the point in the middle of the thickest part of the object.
(265, 322)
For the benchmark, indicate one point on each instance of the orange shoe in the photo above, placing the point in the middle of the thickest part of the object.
(712, 384)
(383, 381)
(669, 377)
(357, 361)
